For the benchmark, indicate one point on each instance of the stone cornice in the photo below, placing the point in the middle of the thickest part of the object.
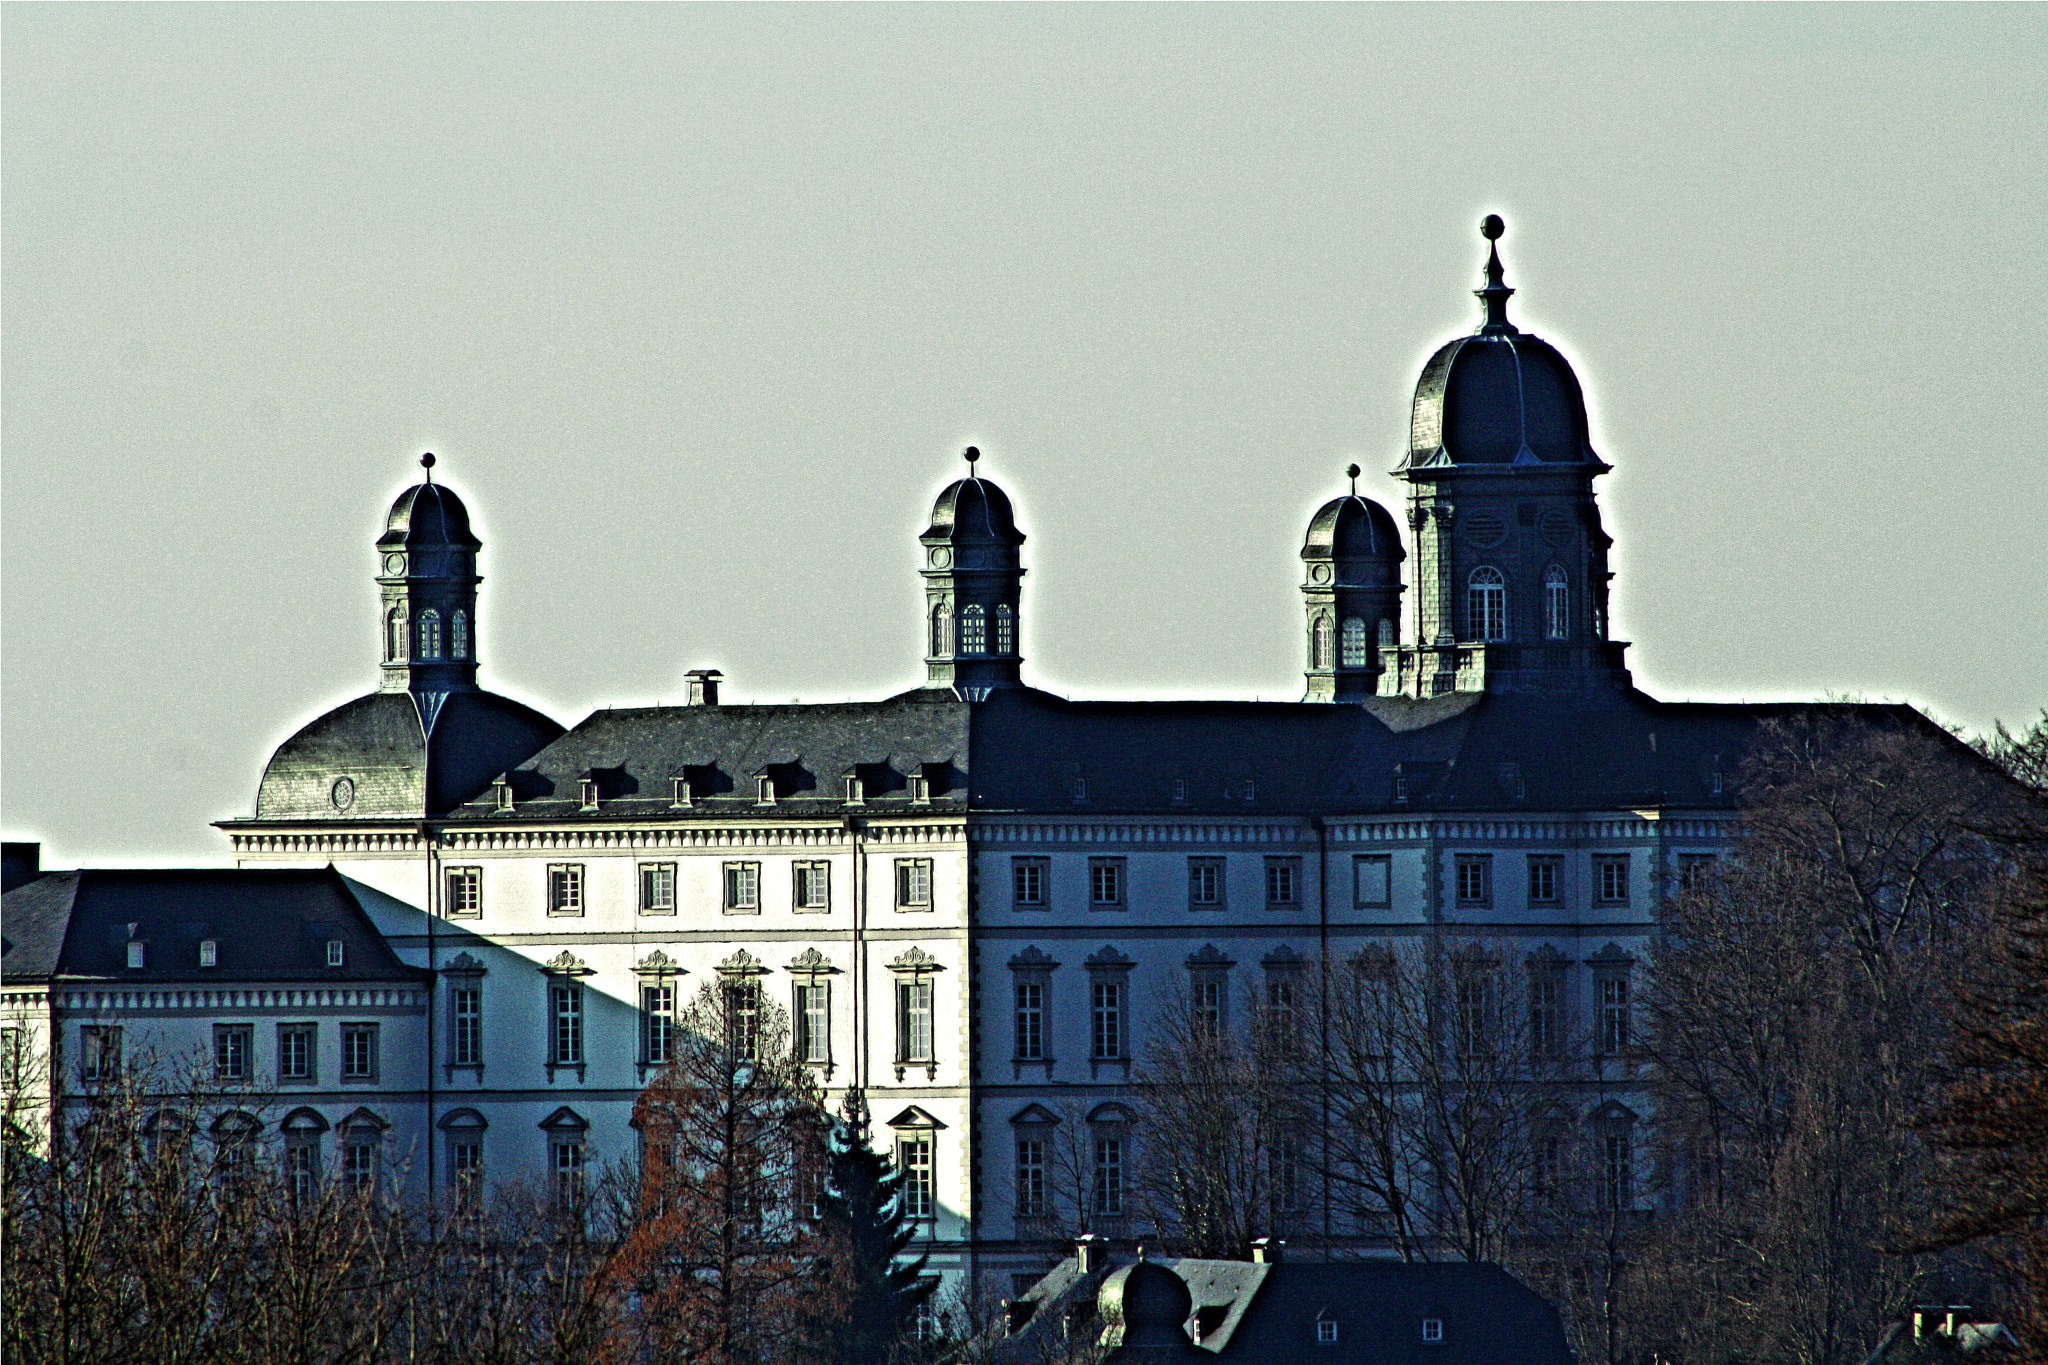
(481, 839)
(287, 997)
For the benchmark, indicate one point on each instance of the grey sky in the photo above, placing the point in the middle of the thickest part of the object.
(697, 306)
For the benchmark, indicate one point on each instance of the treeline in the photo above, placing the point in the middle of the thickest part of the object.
(1824, 1097)
(758, 1230)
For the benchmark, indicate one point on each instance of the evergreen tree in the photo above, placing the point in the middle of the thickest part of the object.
(874, 1292)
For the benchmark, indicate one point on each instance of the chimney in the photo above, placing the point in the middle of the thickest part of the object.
(1091, 1253)
(703, 686)
(23, 864)
(1266, 1250)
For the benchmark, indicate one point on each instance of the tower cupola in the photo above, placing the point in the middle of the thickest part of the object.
(973, 573)
(1352, 582)
(426, 574)
(1511, 577)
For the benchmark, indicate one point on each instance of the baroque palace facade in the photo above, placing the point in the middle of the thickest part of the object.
(969, 897)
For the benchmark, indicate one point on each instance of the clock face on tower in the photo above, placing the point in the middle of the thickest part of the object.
(394, 565)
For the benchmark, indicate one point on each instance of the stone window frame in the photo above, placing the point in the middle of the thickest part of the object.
(1472, 881)
(565, 887)
(567, 1135)
(914, 879)
(1035, 1124)
(1361, 880)
(465, 974)
(303, 1131)
(1545, 872)
(1613, 971)
(1557, 603)
(311, 1031)
(1111, 1122)
(917, 1128)
(1218, 877)
(1030, 873)
(810, 877)
(563, 975)
(654, 878)
(462, 1132)
(361, 1070)
(1615, 1174)
(227, 1066)
(741, 996)
(1611, 870)
(360, 1136)
(739, 886)
(916, 970)
(1486, 604)
(1283, 874)
(656, 972)
(1032, 967)
(1209, 971)
(462, 891)
(1548, 1023)
(1354, 643)
(1694, 872)
(810, 971)
(1108, 968)
(1109, 883)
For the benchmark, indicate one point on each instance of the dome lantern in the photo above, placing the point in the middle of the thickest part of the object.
(973, 575)
(1352, 582)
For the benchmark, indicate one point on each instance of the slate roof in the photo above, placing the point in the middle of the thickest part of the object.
(1025, 750)
(1489, 1317)
(268, 925)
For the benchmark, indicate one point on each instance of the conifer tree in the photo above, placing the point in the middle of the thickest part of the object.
(874, 1291)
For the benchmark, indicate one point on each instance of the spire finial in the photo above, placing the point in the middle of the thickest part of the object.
(971, 454)
(427, 463)
(1351, 473)
(1495, 295)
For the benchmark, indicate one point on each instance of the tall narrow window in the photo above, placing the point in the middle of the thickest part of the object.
(1354, 644)
(1388, 633)
(657, 1021)
(466, 1019)
(1543, 880)
(914, 1159)
(209, 952)
(1319, 643)
(1280, 1004)
(814, 1022)
(231, 1048)
(942, 630)
(337, 953)
(359, 1052)
(811, 886)
(302, 1164)
(459, 627)
(465, 1159)
(1030, 1035)
(1107, 1188)
(394, 635)
(913, 883)
(1614, 1015)
(295, 1056)
(1487, 604)
(565, 888)
(743, 1018)
(1106, 1033)
(465, 899)
(1006, 629)
(1546, 1015)
(742, 888)
(359, 1158)
(914, 1037)
(1618, 1177)
(1557, 604)
(1030, 1177)
(657, 888)
(430, 634)
(1206, 1004)
(565, 1023)
(973, 630)
(1473, 1010)
(99, 1048)
(568, 1163)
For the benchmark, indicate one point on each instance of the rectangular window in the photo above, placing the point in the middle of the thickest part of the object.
(1695, 871)
(1205, 998)
(1475, 880)
(1614, 1021)
(1326, 1331)
(1432, 1329)
(337, 953)
(914, 1159)
(1610, 878)
(1106, 883)
(568, 1164)
(811, 887)
(565, 1023)
(1546, 1016)
(209, 952)
(296, 1059)
(466, 1024)
(1286, 1163)
(359, 1052)
(914, 1020)
(1027, 883)
(742, 889)
(565, 888)
(814, 1022)
(1107, 1189)
(1283, 883)
(1473, 1006)
(1030, 1021)
(1205, 883)
(10, 1057)
(1372, 880)
(1618, 1175)
(465, 893)
(1030, 1178)
(743, 1016)
(657, 1021)
(913, 883)
(657, 888)
(301, 1167)
(138, 955)
(231, 1048)
(1106, 1034)
(1546, 1154)
(359, 1161)
(465, 1161)
(1543, 881)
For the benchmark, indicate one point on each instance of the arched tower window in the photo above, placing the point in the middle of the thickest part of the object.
(1387, 640)
(1353, 642)
(973, 629)
(1486, 604)
(942, 630)
(430, 634)
(394, 635)
(1006, 629)
(460, 628)
(1319, 644)
(1557, 604)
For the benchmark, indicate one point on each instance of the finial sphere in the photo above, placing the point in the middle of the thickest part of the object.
(427, 460)
(973, 453)
(1350, 471)
(1491, 227)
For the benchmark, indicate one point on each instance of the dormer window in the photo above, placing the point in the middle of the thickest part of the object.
(590, 793)
(920, 788)
(1326, 1332)
(1078, 789)
(209, 953)
(501, 792)
(856, 790)
(680, 795)
(764, 790)
(1400, 787)
(337, 953)
(138, 955)
(1432, 1329)
(1251, 791)
(1180, 791)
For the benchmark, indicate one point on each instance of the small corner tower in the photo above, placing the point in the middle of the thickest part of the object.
(1353, 584)
(1510, 558)
(428, 579)
(972, 575)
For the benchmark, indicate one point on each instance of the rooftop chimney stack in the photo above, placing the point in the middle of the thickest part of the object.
(1091, 1253)
(703, 686)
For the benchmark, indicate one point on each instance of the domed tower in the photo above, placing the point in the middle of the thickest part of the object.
(1353, 585)
(427, 573)
(972, 576)
(1511, 561)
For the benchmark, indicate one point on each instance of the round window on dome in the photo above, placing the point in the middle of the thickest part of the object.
(342, 793)
(1485, 530)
